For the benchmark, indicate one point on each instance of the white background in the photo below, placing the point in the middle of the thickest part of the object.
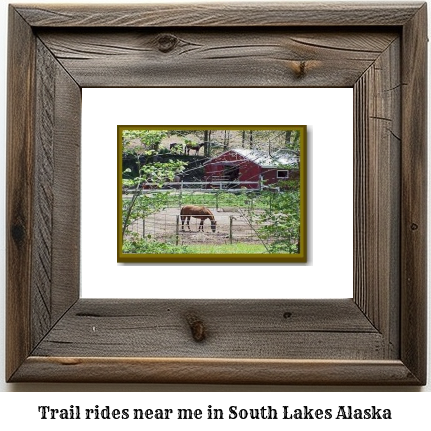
(410, 406)
(329, 116)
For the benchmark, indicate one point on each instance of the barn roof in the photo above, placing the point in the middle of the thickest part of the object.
(263, 159)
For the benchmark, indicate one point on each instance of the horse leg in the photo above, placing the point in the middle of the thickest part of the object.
(188, 222)
(201, 225)
(182, 223)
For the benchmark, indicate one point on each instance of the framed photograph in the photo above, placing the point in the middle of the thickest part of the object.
(376, 336)
(215, 194)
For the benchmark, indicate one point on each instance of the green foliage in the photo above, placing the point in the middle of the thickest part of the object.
(147, 245)
(143, 206)
(238, 248)
(149, 140)
(140, 205)
(280, 223)
(175, 150)
(189, 142)
(183, 133)
(158, 173)
(242, 199)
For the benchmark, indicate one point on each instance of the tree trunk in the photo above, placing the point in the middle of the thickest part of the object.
(207, 137)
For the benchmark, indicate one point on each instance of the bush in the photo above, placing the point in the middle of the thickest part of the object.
(149, 246)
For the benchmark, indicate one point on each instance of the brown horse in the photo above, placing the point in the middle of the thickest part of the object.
(198, 212)
(191, 146)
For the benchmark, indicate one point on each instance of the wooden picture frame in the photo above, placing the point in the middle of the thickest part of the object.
(377, 337)
(235, 205)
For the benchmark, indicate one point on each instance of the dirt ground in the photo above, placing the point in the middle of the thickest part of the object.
(163, 226)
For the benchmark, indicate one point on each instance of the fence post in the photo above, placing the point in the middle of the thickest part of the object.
(217, 201)
(143, 227)
(177, 230)
(230, 229)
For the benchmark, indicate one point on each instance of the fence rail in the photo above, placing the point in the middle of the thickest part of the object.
(199, 185)
(239, 214)
(230, 229)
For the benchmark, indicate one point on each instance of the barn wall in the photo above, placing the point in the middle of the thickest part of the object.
(215, 167)
(248, 171)
(212, 170)
(269, 175)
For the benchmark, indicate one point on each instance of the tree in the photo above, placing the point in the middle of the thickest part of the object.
(149, 173)
(280, 223)
(207, 142)
(226, 140)
(148, 139)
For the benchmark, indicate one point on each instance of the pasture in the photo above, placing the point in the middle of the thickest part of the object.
(232, 226)
(239, 220)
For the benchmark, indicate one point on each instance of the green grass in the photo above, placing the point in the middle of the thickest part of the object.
(239, 248)
(242, 199)
(248, 200)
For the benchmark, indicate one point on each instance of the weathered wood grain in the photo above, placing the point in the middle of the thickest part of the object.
(43, 190)
(268, 329)
(66, 190)
(377, 99)
(20, 194)
(228, 58)
(220, 15)
(216, 371)
(414, 195)
(56, 188)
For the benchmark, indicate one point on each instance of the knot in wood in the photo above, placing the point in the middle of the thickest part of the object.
(167, 42)
(197, 328)
(414, 226)
(300, 69)
(18, 233)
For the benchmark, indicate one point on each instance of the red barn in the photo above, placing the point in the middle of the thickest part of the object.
(253, 166)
